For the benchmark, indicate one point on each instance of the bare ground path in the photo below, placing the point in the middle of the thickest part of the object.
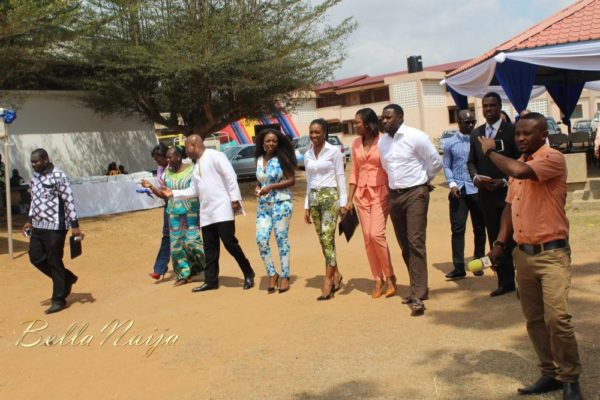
(235, 344)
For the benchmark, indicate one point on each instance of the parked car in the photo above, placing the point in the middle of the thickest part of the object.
(335, 140)
(242, 159)
(596, 121)
(439, 142)
(553, 126)
(302, 144)
(585, 125)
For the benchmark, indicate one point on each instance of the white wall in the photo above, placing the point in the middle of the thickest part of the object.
(78, 140)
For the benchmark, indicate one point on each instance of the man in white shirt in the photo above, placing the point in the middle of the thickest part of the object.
(411, 162)
(215, 184)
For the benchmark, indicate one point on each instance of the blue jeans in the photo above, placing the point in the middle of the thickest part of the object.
(164, 253)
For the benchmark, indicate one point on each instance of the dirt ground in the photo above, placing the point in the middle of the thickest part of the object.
(164, 342)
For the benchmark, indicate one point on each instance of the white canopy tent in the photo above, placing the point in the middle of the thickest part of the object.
(576, 57)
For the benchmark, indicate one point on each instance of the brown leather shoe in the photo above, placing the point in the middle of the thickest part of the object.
(391, 287)
(378, 289)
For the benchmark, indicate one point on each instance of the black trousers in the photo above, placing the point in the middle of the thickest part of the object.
(492, 213)
(459, 211)
(225, 231)
(46, 253)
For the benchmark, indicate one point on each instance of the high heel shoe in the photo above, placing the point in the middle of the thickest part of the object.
(273, 282)
(156, 276)
(378, 289)
(337, 285)
(328, 295)
(285, 285)
(391, 286)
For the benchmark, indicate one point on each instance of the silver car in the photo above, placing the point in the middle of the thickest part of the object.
(439, 141)
(302, 144)
(242, 159)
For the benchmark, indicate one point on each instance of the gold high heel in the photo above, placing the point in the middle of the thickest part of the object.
(391, 286)
(378, 289)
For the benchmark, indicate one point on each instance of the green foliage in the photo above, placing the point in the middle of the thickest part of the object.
(33, 34)
(196, 66)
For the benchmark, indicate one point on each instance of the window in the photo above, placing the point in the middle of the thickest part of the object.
(329, 100)
(453, 113)
(374, 95)
(578, 112)
(247, 152)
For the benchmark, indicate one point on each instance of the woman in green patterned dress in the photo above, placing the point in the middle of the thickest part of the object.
(187, 249)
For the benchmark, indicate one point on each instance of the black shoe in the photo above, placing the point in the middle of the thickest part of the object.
(205, 287)
(571, 391)
(502, 290)
(248, 282)
(70, 285)
(323, 297)
(455, 274)
(418, 308)
(542, 385)
(56, 307)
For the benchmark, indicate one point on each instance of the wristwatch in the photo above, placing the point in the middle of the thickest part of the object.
(499, 244)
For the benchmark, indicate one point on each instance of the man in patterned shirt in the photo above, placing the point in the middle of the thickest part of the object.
(51, 215)
(463, 195)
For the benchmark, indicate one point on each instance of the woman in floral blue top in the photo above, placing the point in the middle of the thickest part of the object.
(275, 172)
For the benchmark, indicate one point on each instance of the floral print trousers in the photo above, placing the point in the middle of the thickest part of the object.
(274, 216)
(324, 208)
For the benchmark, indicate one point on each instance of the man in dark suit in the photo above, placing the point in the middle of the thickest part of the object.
(492, 183)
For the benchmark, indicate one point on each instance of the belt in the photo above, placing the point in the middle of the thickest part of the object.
(322, 188)
(408, 189)
(533, 249)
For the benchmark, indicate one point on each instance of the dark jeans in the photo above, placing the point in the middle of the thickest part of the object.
(408, 212)
(225, 231)
(46, 253)
(492, 214)
(164, 253)
(459, 211)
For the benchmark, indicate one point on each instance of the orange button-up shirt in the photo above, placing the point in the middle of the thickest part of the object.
(367, 171)
(538, 206)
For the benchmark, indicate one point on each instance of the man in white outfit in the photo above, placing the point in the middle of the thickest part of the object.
(214, 182)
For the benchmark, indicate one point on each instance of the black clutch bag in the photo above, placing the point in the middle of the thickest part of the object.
(348, 224)
(75, 245)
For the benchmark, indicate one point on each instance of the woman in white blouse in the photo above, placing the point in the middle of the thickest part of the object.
(325, 198)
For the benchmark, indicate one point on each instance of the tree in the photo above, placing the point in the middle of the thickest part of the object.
(198, 65)
(33, 34)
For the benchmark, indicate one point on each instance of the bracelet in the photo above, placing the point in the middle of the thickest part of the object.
(487, 153)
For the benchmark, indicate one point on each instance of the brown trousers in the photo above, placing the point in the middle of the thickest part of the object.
(544, 281)
(408, 212)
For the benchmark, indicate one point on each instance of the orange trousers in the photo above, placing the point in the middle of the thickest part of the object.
(372, 206)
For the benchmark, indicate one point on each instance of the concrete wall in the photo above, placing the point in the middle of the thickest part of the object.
(78, 140)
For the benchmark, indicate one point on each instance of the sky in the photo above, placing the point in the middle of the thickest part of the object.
(440, 31)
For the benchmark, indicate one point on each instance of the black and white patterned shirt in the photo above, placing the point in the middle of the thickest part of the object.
(52, 203)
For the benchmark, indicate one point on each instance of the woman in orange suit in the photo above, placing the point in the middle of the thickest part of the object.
(369, 192)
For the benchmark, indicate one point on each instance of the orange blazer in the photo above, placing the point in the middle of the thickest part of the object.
(366, 168)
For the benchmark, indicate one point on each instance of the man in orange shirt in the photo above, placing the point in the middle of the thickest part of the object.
(535, 216)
